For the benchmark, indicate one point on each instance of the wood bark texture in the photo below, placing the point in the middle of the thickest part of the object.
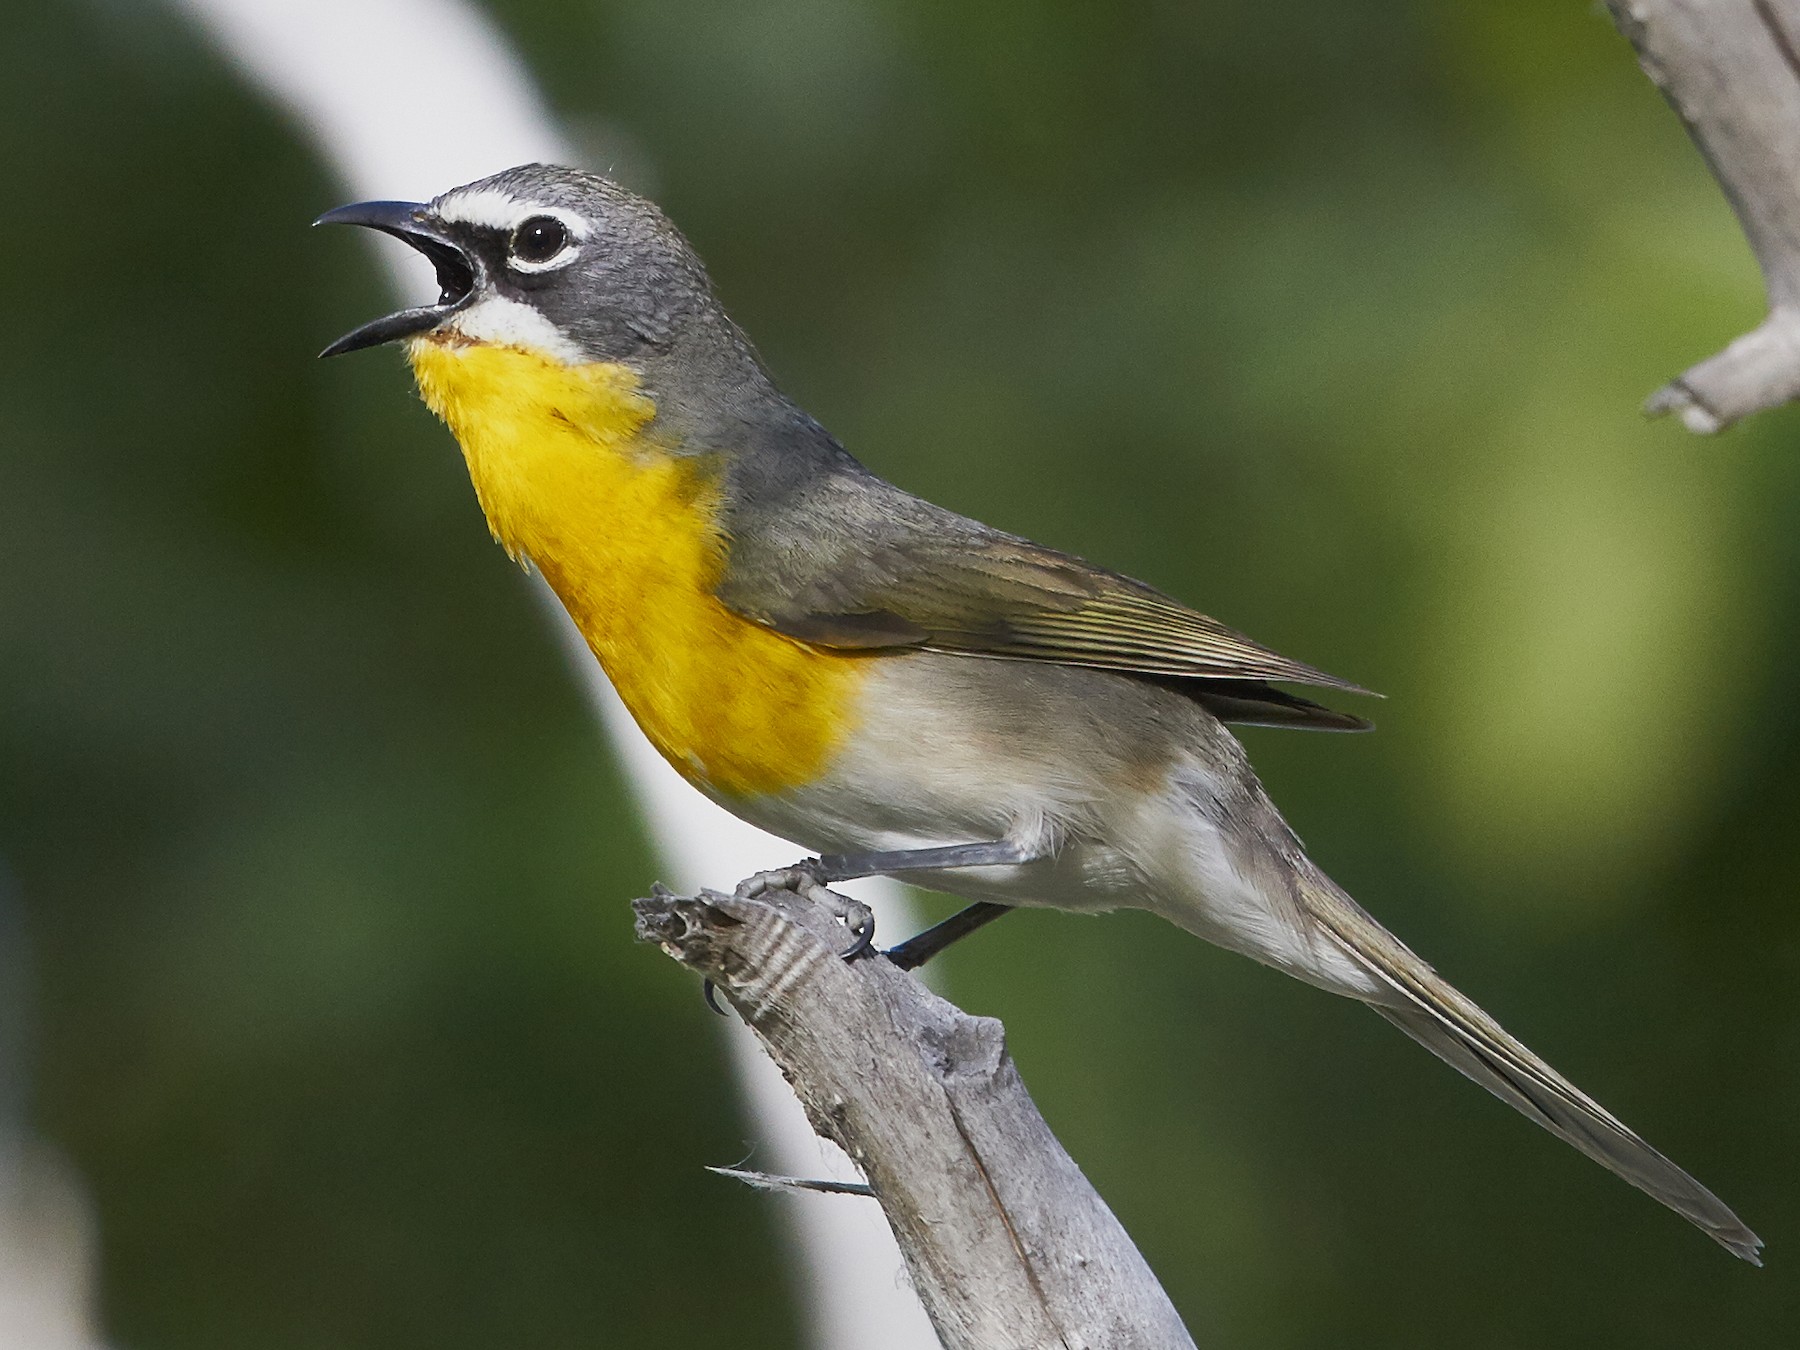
(1731, 69)
(1007, 1244)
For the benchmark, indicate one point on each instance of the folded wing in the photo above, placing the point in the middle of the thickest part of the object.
(927, 578)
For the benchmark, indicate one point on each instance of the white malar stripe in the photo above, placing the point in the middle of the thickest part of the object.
(500, 322)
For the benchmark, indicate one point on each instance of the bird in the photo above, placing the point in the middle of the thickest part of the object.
(899, 688)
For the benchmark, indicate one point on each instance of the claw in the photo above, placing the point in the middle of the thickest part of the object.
(859, 919)
(710, 992)
(863, 941)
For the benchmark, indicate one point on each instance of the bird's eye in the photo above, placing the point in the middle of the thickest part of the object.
(538, 240)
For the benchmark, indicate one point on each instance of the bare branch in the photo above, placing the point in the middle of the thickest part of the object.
(1731, 69)
(1007, 1243)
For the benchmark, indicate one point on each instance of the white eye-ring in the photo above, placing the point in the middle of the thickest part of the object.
(542, 242)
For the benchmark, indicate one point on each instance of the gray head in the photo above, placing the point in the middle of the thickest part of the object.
(563, 263)
(571, 266)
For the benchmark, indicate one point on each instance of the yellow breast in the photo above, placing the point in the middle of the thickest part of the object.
(571, 476)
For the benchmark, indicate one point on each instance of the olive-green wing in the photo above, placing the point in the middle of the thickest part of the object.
(908, 574)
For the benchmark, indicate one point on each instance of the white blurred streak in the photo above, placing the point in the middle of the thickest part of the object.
(405, 98)
(46, 1254)
(46, 1229)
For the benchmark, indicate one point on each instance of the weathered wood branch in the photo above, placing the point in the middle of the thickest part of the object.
(1731, 69)
(1007, 1244)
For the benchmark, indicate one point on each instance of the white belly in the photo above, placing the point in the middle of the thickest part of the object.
(1135, 797)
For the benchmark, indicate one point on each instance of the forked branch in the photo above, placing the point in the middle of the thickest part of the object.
(1731, 69)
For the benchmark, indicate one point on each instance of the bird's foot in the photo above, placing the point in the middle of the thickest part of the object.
(808, 878)
(802, 878)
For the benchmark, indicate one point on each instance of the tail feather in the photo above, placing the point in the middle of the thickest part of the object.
(1447, 1023)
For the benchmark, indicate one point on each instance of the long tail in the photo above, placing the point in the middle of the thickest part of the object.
(1444, 1021)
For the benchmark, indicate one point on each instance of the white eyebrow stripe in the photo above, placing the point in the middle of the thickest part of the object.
(485, 206)
(493, 209)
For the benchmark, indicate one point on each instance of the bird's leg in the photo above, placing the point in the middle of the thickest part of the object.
(921, 947)
(815, 874)
(848, 866)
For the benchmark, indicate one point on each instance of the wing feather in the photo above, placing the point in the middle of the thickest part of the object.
(883, 569)
(929, 578)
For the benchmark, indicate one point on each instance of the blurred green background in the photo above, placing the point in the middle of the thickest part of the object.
(1331, 318)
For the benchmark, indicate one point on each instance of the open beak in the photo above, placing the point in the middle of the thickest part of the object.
(412, 223)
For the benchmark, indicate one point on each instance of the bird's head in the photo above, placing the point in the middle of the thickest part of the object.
(567, 265)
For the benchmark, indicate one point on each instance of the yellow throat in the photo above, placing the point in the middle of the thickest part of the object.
(571, 477)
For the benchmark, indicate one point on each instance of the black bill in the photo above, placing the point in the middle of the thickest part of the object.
(412, 223)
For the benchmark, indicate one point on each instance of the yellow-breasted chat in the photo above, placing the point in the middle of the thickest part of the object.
(890, 684)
